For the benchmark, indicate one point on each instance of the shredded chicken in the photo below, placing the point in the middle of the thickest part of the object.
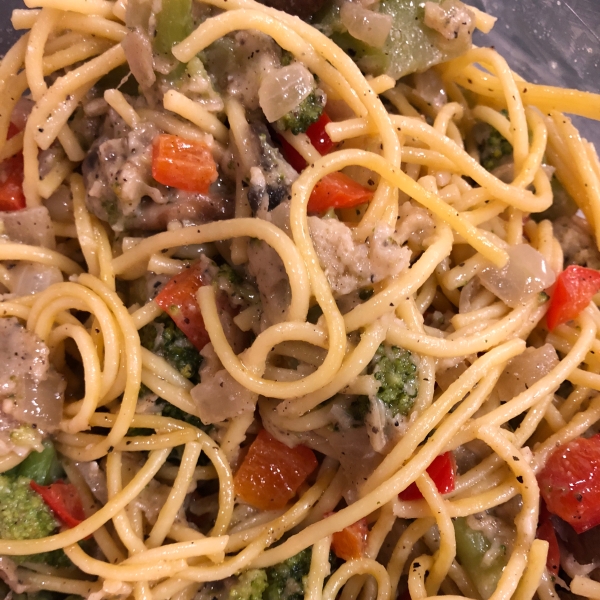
(349, 265)
(219, 396)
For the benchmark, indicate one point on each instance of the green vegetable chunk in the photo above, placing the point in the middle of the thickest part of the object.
(303, 116)
(173, 24)
(394, 368)
(43, 467)
(411, 45)
(471, 547)
(562, 204)
(286, 580)
(250, 586)
(23, 514)
(494, 150)
(164, 338)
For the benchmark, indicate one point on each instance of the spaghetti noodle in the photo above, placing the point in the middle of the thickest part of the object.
(285, 358)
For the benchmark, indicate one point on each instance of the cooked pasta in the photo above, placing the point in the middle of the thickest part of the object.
(292, 308)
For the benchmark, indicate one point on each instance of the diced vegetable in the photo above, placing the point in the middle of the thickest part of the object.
(183, 164)
(317, 135)
(562, 204)
(394, 368)
(271, 472)
(164, 338)
(283, 90)
(410, 46)
(471, 548)
(546, 532)
(574, 290)
(351, 542)
(63, 500)
(337, 190)
(442, 471)
(570, 483)
(178, 300)
(306, 114)
(11, 184)
(286, 580)
(173, 24)
(23, 514)
(42, 467)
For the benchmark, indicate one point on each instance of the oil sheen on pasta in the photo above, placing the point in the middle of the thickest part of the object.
(294, 305)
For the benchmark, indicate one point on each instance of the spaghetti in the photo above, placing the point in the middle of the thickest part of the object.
(250, 371)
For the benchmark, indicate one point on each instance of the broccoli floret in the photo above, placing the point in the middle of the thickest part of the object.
(394, 368)
(304, 115)
(171, 411)
(493, 150)
(164, 338)
(250, 586)
(24, 516)
(359, 409)
(286, 580)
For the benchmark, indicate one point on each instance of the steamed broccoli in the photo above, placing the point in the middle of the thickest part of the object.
(23, 514)
(493, 150)
(171, 411)
(304, 115)
(286, 580)
(394, 368)
(250, 586)
(164, 338)
(283, 581)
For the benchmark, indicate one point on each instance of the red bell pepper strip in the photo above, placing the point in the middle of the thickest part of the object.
(574, 290)
(271, 472)
(351, 542)
(570, 483)
(546, 532)
(183, 164)
(317, 135)
(442, 471)
(11, 179)
(337, 190)
(63, 500)
(178, 299)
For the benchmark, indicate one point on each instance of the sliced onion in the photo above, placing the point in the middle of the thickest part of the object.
(31, 278)
(366, 25)
(60, 205)
(526, 273)
(524, 370)
(42, 402)
(283, 89)
(138, 51)
(430, 87)
(30, 226)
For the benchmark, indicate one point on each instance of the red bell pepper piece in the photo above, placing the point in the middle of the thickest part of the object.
(351, 542)
(11, 178)
(183, 164)
(574, 290)
(178, 299)
(570, 483)
(442, 471)
(271, 472)
(337, 190)
(63, 500)
(546, 532)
